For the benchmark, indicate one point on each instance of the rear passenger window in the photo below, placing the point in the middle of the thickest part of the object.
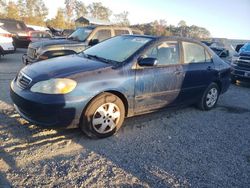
(167, 53)
(194, 53)
(102, 34)
(121, 32)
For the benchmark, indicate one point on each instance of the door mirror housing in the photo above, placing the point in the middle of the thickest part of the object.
(93, 42)
(147, 62)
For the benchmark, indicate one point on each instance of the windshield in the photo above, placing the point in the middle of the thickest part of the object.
(117, 49)
(81, 34)
(246, 48)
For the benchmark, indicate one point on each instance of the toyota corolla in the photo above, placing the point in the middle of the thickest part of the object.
(120, 77)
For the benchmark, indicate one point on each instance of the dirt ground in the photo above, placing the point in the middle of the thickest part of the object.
(171, 148)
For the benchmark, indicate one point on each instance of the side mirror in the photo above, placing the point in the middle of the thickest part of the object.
(147, 62)
(93, 42)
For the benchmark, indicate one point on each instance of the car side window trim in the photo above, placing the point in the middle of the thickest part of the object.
(161, 65)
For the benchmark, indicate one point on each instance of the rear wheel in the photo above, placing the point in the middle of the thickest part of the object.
(210, 97)
(103, 116)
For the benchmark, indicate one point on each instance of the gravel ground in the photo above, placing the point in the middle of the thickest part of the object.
(172, 148)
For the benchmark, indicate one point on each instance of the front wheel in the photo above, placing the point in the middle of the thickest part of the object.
(103, 117)
(210, 97)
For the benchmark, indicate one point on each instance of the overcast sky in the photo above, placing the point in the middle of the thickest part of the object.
(223, 18)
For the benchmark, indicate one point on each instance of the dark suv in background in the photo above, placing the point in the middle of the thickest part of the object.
(19, 30)
(241, 64)
(79, 40)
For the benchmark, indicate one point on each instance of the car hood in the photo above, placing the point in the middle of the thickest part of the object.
(62, 67)
(53, 42)
(245, 53)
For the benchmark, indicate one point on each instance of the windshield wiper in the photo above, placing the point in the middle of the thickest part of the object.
(99, 58)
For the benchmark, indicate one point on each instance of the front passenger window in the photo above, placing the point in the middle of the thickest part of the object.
(166, 53)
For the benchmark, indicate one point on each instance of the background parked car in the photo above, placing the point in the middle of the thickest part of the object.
(6, 42)
(79, 40)
(238, 47)
(117, 78)
(19, 30)
(241, 64)
(36, 36)
(219, 49)
(56, 33)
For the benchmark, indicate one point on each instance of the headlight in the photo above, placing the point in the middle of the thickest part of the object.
(54, 86)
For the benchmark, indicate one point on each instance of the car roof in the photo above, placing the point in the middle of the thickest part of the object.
(10, 20)
(167, 38)
(3, 31)
(109, 26)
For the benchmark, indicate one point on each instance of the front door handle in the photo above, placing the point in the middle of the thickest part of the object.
(209, 68)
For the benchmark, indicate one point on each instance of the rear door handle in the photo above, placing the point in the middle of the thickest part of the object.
(177, 72)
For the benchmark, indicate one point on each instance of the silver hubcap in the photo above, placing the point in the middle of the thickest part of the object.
(212, 97)
(106, 117)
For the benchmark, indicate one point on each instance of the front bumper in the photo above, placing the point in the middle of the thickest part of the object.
(240, 74)
(47, 110)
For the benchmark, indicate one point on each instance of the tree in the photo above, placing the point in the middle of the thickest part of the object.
(22, 9)
(12, 10)
(80, 9)
(32, 11)
(98, 11)
(161, 28)
(122, 19)
(182, 23)
(182, 29)
(58, 21)
(199, 32)
(69, 9)
(3, 6)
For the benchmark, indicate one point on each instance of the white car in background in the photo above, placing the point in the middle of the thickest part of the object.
(6, 42)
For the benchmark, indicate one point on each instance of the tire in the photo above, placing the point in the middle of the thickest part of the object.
(210, 97)
(103, 117)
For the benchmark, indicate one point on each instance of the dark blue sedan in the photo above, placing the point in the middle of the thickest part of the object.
(120, 77)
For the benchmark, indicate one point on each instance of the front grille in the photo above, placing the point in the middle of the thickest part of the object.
(23, 81)
(244, 65)
(245, 58)
(31, 52)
